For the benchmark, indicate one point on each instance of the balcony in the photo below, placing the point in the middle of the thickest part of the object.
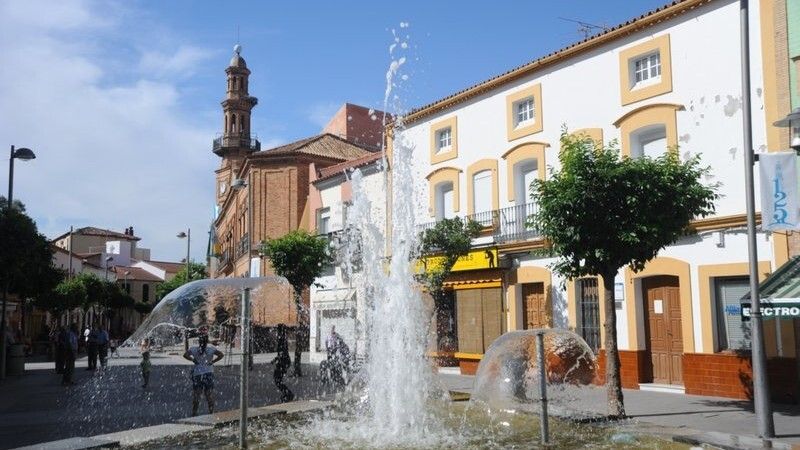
(236, 141)
(242, 246)
(224, 258)
(505, 225)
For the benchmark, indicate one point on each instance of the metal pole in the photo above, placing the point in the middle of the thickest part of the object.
(763, 408)
(250, 221)
(243, 382)
(70, 252)
(188, 250)
(10, 198)
(542, 386)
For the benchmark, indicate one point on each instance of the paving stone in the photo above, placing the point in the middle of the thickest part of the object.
(146, 434)
(223, 418)
(299, 406)
(76, 443)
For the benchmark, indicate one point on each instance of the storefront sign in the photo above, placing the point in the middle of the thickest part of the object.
(775, 308)
(477, 259)
(779, 207)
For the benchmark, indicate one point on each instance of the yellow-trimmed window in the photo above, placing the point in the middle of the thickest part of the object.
(444, 140)
(645, 70)
(524, 112)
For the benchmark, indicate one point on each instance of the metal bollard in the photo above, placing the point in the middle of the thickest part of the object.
(243, 382)
(542, 386)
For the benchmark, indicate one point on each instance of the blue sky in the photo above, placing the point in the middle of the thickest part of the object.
(120, 100)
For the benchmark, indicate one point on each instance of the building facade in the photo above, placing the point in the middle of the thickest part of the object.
(273, 183)
(338, 296)
(648, 85)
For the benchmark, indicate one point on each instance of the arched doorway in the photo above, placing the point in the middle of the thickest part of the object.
(663, 328)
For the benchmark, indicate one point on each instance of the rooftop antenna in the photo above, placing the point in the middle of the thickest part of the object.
(586, 28)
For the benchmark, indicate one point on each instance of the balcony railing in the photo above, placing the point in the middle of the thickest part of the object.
(242, 140)
(506, 224)
(242, 246)
(224, 258)
(514, 224)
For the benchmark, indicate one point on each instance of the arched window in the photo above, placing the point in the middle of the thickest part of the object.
(525, 172)
(443, 201)
(482, 191)
(650, 140)
(233, 123)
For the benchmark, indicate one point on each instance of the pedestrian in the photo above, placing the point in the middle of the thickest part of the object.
(71, 352)
(282, 363)
(338, 354)
(91, 347)
(61, 339)
(203, 356)
(102, 346)
(145, 366)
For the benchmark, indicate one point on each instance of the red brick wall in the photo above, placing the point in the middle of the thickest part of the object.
(633, 368)
(731, 375)
(355, 123)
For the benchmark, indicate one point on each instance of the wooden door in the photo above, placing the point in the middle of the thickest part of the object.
(534, 308)
(665, 338)
(469, 312)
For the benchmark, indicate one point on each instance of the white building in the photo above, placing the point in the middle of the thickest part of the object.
(338, 299)
(668, 78)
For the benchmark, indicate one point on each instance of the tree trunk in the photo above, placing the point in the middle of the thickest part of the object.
(616, 405)
(299, 335)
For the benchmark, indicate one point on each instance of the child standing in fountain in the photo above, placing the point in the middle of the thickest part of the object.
(203, 356)
(145, 365)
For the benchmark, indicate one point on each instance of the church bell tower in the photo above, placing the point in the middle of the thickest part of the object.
(235, 142)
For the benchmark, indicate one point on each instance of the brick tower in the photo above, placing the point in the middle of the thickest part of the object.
(236, 141)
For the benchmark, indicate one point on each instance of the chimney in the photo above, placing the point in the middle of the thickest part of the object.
(131, 228)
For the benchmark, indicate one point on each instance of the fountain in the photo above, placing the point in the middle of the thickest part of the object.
(396, 402)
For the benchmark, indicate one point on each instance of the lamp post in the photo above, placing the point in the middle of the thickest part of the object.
(23, 154)
(105, 300)
(761, 401)
(188, 236)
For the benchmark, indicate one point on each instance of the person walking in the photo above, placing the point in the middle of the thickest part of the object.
(282, 363)
(203, 356)
(61, 348)
(102, 346)
(71, 352)
(91, 347)
(145, 366)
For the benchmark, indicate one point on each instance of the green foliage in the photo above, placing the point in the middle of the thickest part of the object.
(602, 212)
(69, 294)
(298, 256)
(25, 256)
(450, 239)
(198, 272)
(142, 308)
(97, 290)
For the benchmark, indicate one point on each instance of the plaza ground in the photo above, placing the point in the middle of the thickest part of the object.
(36, 408)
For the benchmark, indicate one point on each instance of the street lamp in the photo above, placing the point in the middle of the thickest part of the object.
(792, 121)
(108, 260)
(188, 236)
(23, 154)
(127, 288)
(761, 400)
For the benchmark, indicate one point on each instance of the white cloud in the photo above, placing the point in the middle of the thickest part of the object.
(320, 113)
(114, 148)
(182, 62)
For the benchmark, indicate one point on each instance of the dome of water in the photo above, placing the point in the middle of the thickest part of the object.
(216, 305)
(508, 374)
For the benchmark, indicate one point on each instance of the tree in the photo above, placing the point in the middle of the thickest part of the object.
(198, 272)
(299, 257)
(69, 294)
(25, 263)
(449, 239)
(97, 290)
(602, 212)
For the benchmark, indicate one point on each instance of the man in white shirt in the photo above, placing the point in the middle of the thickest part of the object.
(203, 356)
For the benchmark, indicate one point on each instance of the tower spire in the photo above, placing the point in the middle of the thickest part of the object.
(236, 138)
